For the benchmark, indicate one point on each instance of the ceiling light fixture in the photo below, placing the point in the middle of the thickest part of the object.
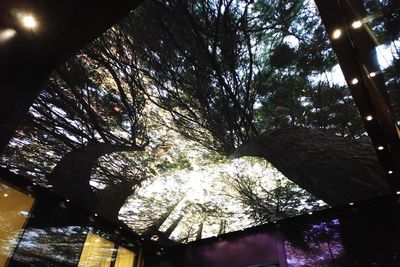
(354, 81)
(29, 21)
(356, 24)
(6, 34)
(336, 34)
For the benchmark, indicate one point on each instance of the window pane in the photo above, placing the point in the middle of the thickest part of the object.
(14, 212)
(97, 251)
(125, 258)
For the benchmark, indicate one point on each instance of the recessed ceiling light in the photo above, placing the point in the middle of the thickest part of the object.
(380, 147)
(369, 118)
(356, 24)
(6, 34)
(336, 34)
(354, 81)
(29, 21)
(372, 74)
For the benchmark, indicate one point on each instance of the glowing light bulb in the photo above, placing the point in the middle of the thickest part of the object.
(5, 195)
(369, 118)
(390, 172)
(380, 147)
(336, 34)
(354, 81)
(356, 24)
(351, 203)
(7, 34)
(29, 22)
(372, 74)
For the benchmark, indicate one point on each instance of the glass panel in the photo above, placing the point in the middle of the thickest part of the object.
(96, 251)
(318, 245)
(125, 258)
(15, 210)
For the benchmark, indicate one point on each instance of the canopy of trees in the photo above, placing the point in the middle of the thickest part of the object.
(176, 88)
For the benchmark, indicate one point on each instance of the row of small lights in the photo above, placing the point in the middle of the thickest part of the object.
(336, 34)
(26, 20)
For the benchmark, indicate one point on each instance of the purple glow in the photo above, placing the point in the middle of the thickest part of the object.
(320, 245)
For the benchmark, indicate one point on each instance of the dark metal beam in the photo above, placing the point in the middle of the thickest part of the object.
(355, 50)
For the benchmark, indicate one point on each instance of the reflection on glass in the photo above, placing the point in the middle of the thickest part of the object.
(15, 208)
(318, 245)
(51, 246)
(96, 252)
(125, 258)
(383, 22)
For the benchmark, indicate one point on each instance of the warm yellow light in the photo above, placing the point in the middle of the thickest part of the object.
(356, 24)
(369, 118)
(372, 74)
(336, 34)
(7, 34)
(5, 195)
(354, 81)
(29, 22)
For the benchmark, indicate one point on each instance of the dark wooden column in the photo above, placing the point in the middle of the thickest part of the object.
(355, 50)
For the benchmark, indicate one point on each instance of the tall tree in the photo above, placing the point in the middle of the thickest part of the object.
(230, 70)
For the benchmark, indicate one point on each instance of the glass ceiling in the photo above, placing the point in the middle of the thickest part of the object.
(190, 119)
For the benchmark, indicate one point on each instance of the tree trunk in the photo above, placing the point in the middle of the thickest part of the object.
(199, 231)
(173, 226)
(222, 227)
(154, 227)
(332, 168)
(71, 178)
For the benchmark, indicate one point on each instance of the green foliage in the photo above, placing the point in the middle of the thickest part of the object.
(266, 199)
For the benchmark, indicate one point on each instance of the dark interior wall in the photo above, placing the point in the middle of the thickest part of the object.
(253, 249)
(249, 250)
